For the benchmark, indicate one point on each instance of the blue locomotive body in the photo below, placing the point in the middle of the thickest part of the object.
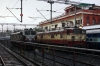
(93, 38)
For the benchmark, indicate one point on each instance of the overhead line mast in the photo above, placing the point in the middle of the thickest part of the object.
(14, 14)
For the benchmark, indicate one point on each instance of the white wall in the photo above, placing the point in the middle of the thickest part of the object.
(60, 23)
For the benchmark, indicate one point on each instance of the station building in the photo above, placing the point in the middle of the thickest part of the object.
(82, 14)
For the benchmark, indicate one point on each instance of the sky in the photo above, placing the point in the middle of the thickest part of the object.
(29, 9)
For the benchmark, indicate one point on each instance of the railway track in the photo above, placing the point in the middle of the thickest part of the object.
(9, 58)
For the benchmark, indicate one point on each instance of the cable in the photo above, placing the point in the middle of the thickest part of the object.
(8, 6)
(11, 10)
(56, 11)
(41, 8)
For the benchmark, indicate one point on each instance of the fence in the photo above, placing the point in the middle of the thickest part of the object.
(53, 55)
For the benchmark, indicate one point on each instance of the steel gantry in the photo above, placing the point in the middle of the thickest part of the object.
(15, 24)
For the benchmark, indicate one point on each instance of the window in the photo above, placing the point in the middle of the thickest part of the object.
(33, 32)
(95, 35)
(77, 31)
(77, 22)
(68, 31)
(71, 10)
(61, 35)
(27, 32)
(98, 20)
(52, 35)
(90, 39)
(46, 28)
(56, 26)
(41, 36)
(71, 23)
(83, 31)
(87, 39)
(87, 20)
(81, 21)
(73, 38)
(63, 24)
(93, 20)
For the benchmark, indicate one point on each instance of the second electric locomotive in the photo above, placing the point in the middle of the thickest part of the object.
(66, 36)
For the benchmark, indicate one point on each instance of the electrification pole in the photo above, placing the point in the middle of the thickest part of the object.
(14, 27)
(21, 12)
(2, 27)
(51, 2)
(75, 18)
(75, 14)
(60, 2)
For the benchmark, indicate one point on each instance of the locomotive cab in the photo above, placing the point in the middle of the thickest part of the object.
(79, 36)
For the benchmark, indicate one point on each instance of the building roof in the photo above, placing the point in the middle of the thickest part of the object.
(84, 5)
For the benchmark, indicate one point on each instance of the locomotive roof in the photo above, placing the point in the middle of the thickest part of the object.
(56, 30)
(92, 29)
(21, 31)
(15, 33)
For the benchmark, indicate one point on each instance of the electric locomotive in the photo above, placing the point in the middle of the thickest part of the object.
(67, 36)
(93, 38)
(26, 35)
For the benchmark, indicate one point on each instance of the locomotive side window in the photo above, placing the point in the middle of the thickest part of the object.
(87, 39)
(77, 31)
(61, 35)
(90, 39)
(73, 38)
(41, 36)
(83, 31)
(94, 35)
(52, 35)
(68, 31)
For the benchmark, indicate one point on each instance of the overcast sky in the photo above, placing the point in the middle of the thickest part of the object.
(29, 10)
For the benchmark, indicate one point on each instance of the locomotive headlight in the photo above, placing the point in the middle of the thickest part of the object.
(81, 26)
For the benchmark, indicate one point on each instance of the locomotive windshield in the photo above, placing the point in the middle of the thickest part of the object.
(27, 32)
(33, 32)
(79, 31)
(30, 32)
(83, 31)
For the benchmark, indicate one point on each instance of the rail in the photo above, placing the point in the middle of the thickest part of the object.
(9, 57)
(54, 55)
(2, 62)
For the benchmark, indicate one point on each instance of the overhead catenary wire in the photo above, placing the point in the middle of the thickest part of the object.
(6, 9)
(13, 15)
(41, 14)
(46, 14)
(41, 8)
(11, 10)
(52, 11)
